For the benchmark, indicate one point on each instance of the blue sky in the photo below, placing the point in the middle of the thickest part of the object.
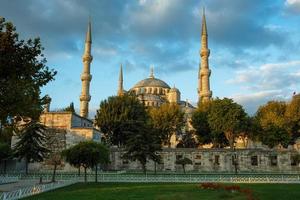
(255, 45)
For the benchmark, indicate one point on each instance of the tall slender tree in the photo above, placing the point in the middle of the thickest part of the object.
(31, 143)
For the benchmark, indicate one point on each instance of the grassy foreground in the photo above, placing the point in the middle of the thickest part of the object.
(126, 191)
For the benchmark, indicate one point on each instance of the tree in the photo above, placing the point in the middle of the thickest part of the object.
(70, 108)
(5, 153)
(187, 141)
(116, 114)
(23, 72)
(87, 154)
(55, 159)
(201, 126)
(228, 117)
(31, 143)
(183, 162)
(274, 124)
(273, 113)
(71, 156)
(142, 145)
(292, 115)
(275, 135)
(167, 120)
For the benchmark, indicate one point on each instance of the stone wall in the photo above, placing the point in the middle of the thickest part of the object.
(216, 160)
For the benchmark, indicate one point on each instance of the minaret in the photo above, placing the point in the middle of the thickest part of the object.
(151, 72)
(120, 85)
(204, 72)
(86, 77)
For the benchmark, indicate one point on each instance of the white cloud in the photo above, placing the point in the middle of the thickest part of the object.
(271, 81)
(293, 5)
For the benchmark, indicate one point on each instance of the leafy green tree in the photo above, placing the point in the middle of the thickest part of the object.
(31, 143)
(187, 141)
(274, 135)
(5, 154)
(274, 124)
(142, 145)
(116, 114)
(272, 113)
(70, 108)
(228, 117)
(71, 156)
(183, 162)
(201, 126)
(167, 120)
(23, 72)
(292, 115)
(87, 154)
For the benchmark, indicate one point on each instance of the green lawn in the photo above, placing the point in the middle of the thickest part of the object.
(126, 191)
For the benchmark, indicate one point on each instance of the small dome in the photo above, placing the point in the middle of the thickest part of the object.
(151, 82)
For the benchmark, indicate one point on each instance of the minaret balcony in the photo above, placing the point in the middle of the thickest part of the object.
(87, 58)
(204, 52)
(85, 97)
(86, 77)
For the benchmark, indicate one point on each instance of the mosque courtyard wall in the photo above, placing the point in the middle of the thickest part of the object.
(215, 160)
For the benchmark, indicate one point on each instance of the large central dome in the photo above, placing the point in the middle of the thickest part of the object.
(151, 82)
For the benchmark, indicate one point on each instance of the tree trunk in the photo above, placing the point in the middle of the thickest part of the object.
(154, 167)
(144, 168)
(4, 166)
(79, 171)
(85, 174)
(183, 166)
(96, 171)
(26, 166)
(54, 172)
(230, 137)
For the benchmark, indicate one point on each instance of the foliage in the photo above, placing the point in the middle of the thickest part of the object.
(6, 133)
(70, 108)
(22, 74)
(201, 126)
(292, 115)
(87, 154)
(183, 162)
(228, 117)
(31, 143)
(142, 145)
(274, 135)
(117, 114)
(272, 114)
(5, 153)
(187, 141)
(167, 120)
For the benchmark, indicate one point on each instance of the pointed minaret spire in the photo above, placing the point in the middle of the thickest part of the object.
(151, 72)
(120, 84)
(88, 37)
(204, 92)
(86, 77)
(204, 28)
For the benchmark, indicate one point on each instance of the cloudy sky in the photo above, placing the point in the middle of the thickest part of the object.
(255, 45)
